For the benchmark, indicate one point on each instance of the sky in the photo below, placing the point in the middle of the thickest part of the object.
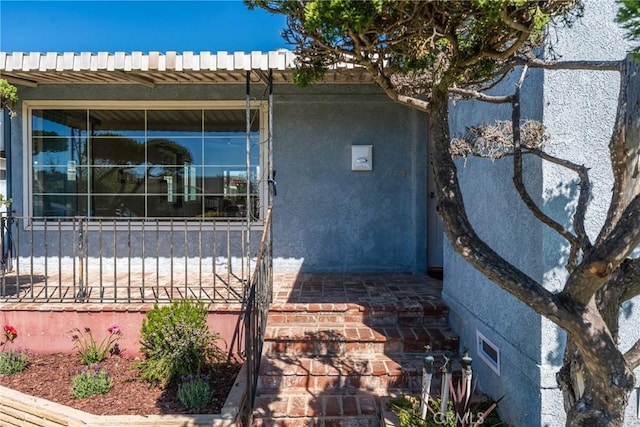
(137, 25)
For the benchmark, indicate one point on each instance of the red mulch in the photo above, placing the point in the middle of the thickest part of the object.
(49, 377)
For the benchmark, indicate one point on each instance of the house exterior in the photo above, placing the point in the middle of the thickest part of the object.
(194, 137)
(362, 223)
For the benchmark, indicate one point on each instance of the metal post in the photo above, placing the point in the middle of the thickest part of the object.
(81, 293)
(468, 374)
(427, 373)
(248, 180)
(444, 387)
(271, 182)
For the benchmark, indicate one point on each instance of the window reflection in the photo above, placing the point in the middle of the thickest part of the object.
(124, 123)
(155, 163)
(114, 149)
(176, 151)
(121, 179)
(60, 205)
(119, 205)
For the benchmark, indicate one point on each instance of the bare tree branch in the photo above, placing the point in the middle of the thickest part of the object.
(632, 356)
(626, 279)
(474, 94)
(583, 198)
(572, 65)
(605, 257)
(521, 188)
(624, 147)
(511, 23)
(464, 238)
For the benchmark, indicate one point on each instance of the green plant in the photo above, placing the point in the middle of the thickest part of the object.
(176, 341)
(5, 202)
(8, 96)
(194, 391)
(89, 382)
(89, 350)
(407, 408)
(12, 361)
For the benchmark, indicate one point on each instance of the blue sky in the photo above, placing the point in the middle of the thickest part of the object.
(140, 25)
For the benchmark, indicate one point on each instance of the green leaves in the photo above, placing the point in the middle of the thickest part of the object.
(432, 43)
(176, 341)
(12, 362)
(629, 18)
(8, 95)
(92, 351)
(335, 18)
(89, 382)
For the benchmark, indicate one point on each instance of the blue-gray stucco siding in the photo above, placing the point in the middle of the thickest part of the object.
(326, 217)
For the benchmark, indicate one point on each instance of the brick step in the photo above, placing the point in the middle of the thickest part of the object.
(425, 310)
(356, 338)
(377, 374)
(321, 410)
(335, 345)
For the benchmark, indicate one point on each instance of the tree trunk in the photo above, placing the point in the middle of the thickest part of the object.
(590, 401)
(595, 379)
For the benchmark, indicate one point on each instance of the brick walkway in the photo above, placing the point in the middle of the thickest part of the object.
(336, 343)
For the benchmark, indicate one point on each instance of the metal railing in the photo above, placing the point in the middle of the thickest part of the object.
(125, 260)
(255, 317)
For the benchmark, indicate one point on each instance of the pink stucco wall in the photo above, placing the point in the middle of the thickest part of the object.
(42, 330)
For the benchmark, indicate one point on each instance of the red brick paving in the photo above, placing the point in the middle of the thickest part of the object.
(336, 343)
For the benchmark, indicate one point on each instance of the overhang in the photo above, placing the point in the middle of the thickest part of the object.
(156, 68)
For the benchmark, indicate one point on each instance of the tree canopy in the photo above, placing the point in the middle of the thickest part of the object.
(412, 48)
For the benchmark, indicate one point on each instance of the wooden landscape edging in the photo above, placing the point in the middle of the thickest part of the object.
(23, 410)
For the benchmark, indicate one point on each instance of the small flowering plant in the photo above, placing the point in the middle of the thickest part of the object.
(89, 381)
(10, 334)
(12, 361)
(194, 391)
(92, 351)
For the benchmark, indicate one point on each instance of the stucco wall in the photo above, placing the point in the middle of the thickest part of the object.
(327, 217)
(578, 109)
(499, 217)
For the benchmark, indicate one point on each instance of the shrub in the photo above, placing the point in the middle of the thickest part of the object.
(12, 362)
(89, 382)
(176, 341)
(89, 350)
(194, 392)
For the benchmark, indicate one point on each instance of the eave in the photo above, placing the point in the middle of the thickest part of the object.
(156, 68)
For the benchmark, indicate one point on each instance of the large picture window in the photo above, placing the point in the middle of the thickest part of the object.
(145, 162)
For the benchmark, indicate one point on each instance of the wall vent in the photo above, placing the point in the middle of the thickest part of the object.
(488, 352)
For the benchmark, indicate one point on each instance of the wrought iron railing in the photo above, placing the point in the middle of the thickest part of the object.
(255, 318)
(125, 260)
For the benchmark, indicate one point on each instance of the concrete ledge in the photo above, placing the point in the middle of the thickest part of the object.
(23, 410)
(389, 418)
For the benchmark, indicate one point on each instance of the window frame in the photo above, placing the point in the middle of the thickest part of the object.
(260, 105)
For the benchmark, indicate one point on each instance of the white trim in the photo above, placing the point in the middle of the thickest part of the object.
(281, 59)
(141, 105)
(30, 105)
(481, 342)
